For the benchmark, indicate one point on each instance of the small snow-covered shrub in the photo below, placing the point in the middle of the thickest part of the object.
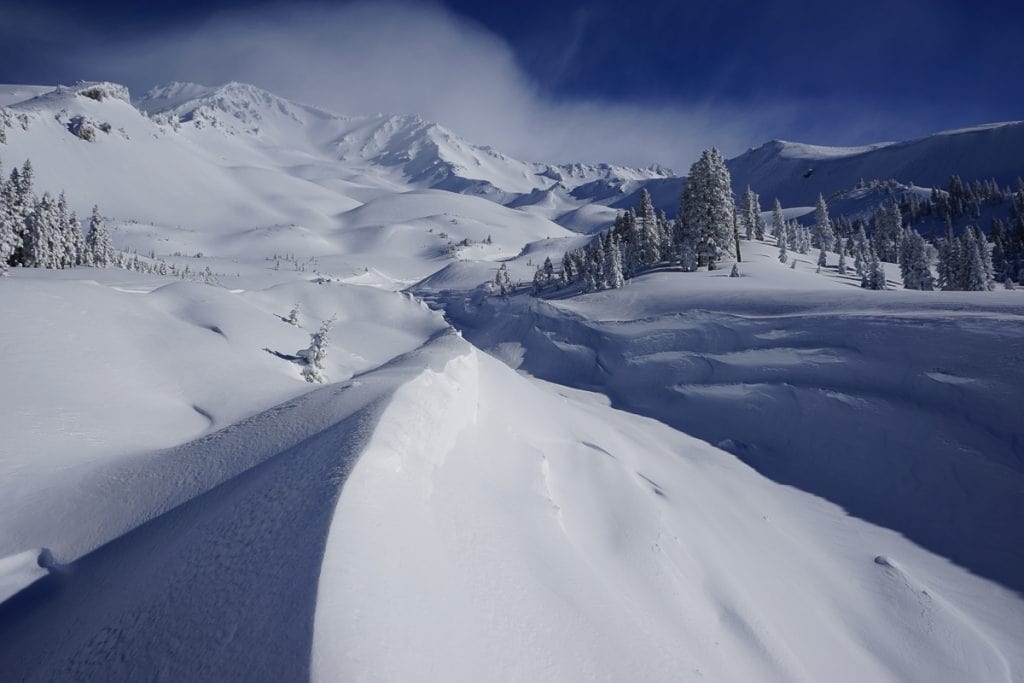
(316, 354)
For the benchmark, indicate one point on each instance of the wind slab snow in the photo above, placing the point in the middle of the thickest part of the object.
(179, 504)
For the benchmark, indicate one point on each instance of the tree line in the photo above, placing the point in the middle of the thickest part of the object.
(40, 232)
(709, 226)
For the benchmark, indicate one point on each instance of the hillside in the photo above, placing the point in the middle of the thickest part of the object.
(776, 476)
(796, 173)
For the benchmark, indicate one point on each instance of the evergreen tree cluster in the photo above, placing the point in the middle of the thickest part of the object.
(963, 199)
(502, 284)
(706, 229)
(40, 232)
(965, 262)
(602, 263)
(915, 261)
(1008, 243)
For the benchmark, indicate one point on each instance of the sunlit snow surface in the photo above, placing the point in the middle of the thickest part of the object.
(774, 477)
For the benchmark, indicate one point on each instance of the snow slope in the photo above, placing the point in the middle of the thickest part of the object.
(795, 173)
(12, 94)
(488, 525)
(865, 398)
(778, 477)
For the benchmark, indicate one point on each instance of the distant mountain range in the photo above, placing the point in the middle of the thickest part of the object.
(190, 141)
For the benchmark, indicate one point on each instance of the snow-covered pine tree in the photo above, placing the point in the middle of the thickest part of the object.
(568, 267)
(503, 281)
(985, 249)
(758, 219)
(750, 212)
(40, 238)
(10, 237)
(888, 226)
(914, 266)
(293, 315)
(666, 235)
(860, 251)
(97, 241)
(874, 274)
(613, 262)
(975, 273)
(879, 274)
(822, 235)
(316, 355)
(783, 241)
(649, 239)
(736, 234)
(822, 259)
(686, 235)
(708, 208)
(71, 235)
(778, 222)
(538, 281)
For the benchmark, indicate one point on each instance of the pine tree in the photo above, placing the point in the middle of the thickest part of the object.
(666, 236)
(823, 236)
(822, 259)
(778, 222)
(708, 209)
(841, 268)
(10, 235)
(874, 275)
(888, 226)
(755, 216)
(648, 237)
(98, 246)
(985, 252)
(613, 251)
(503, 281)
(40, 229)
(538, 281)
(860, 251)
(914, 266)
(293, 315)
(316, 355)
(687, 236)
(782, 240)
(749, 213)
(971, 264)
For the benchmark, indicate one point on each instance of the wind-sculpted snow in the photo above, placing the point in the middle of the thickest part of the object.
(500, 527)
(178, 502)
(215, 574)
(904, 408)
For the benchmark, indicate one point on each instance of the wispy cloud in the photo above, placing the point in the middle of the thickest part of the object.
(393, 57)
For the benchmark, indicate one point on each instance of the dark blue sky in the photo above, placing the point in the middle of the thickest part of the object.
(830, 73)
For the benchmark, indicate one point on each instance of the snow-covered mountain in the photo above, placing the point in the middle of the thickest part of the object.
(425, 154)
(776, 476)
(206, 143)
(795, 173)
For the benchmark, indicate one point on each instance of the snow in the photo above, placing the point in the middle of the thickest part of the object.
(550, 538)
(795, 173)
(12, 94)
(774, 477)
